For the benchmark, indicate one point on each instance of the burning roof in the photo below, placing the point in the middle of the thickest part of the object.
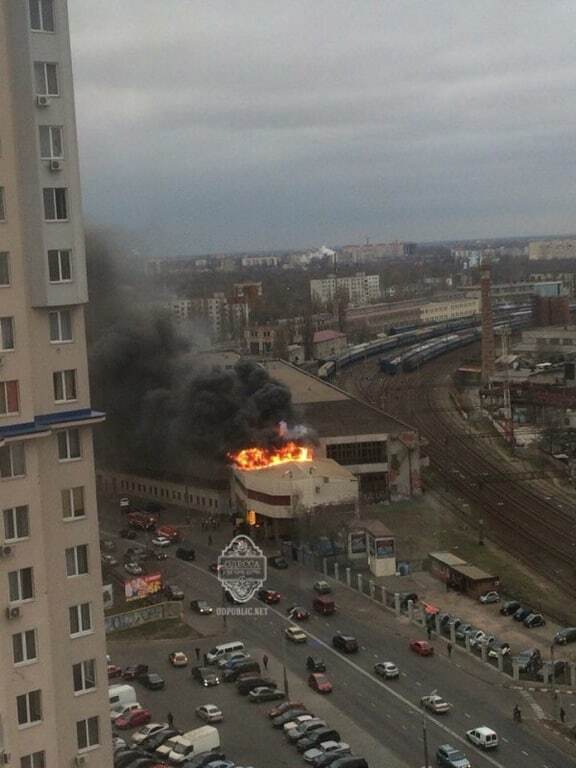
(260, 458)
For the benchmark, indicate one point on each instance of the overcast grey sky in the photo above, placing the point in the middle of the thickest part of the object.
(218, 125)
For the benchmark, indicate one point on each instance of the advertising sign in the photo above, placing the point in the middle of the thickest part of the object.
(384, 547)
(142, 586)
(357, 543)
(242, 568)
(108, 594)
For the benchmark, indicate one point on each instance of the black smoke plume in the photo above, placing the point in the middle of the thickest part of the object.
(164, 410)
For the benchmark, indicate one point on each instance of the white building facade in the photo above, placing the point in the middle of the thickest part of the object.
(360, 288)
(54, 709)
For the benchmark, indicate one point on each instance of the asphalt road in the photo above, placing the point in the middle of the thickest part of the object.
(384, 717)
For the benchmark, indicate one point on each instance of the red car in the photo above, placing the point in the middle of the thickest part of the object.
(421, 647)
(297, 613)
(285, 707)
(133, 719)
(135, 671)
(319, 683)
(269, 596)
(142, 521)
(169, 532)
(114, 671)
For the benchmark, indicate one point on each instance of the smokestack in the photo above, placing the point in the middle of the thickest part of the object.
(487, 343)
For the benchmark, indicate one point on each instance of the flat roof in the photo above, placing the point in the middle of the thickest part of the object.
(291, 471)
(447, 558)
(473, 572)
(375, 527)
(329, 409)
(552, 331)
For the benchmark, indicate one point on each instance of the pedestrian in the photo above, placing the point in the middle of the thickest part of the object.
(170, 720)
(429, 632)
(265, 662)
(205, 660)
(209, 539)
(197, 651)
(562, 715)
(449, 649)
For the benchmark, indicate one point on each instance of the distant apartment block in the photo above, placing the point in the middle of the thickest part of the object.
(250, 292)
(226, 317)
(261, 339)
(360, 289)
(552, 249)
(367, 252)
(259, 261)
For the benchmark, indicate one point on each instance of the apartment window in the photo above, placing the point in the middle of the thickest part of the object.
(29, 707)
(60, 325)
(4, 267)
(64, 385)
(77, 560)
(80, 619)
(59, 266)
(16, 523)
(35, 760)
(12, 461)
(25, 647)
(55, 203)
(2, 205)
(73, 503)
(42, 15)
(68, 444)
(87, 733)
(51, 142)
(9, 400)
(84, 676)
(21, 585)
(6, 334)
(46, 77)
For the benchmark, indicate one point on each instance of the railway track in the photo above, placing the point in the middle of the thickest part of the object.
(516, 515)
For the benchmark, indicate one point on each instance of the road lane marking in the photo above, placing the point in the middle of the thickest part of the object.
(467, 715)
(524, 753)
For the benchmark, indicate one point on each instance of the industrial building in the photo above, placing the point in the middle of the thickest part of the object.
(381, 451)
(450, 309)
(551, 249)
(54, 707)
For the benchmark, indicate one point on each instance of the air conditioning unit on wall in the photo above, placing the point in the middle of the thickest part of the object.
(5, 757)
(42, 101)
(5, 550)
(13, 612)
(79, 761)
(55, 165)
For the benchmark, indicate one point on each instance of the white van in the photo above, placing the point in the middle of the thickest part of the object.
(483, 737)
(119, 695)
(219, 651)
(196, 742)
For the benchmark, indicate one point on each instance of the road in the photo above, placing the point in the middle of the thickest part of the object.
(386, 712)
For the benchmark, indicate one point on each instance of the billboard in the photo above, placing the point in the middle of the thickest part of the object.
(142, 586)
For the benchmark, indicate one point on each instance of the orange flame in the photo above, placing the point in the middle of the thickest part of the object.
(259, 458)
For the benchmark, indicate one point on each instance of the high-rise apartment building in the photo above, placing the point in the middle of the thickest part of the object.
(54, 709)
(360, 289)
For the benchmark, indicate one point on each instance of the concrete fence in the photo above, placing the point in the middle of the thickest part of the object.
(136, 618)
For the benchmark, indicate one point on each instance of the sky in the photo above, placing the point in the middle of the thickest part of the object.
(231, 125)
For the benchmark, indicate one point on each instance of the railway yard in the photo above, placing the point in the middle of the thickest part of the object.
(528, 514)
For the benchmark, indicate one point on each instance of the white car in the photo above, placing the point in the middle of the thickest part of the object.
(133, 569)
(148, 730)
(435, 704)
(295, 634)
(178, 659)
(387, 669)
(483, 737)
(118, 743)
(124, 710)
(210, 713)
(490, 597)
(296, 722)
(161, 541)
(326, 748)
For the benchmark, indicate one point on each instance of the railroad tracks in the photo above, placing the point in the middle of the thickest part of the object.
(515, 514)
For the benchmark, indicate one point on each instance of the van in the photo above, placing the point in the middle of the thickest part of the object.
(220, 650)
(324, 605)
(250, 666)
(119, 695)
(196, 742)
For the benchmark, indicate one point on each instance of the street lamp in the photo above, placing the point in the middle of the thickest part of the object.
(284, 671)
(425, 740)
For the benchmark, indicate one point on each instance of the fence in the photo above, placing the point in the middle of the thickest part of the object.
(122, 621)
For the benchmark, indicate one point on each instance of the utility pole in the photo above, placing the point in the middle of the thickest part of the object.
(425, 740)
(284, 671)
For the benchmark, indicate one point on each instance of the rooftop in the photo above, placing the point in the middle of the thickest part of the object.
(328, 335)
(447, 558)
(552, 332)
(293, 471)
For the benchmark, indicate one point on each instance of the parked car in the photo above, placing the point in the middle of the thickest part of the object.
(178, 659)
(265, 693)
(522, 613)
(315, 664)
(296, 726)
(121, 710)
(477, 637)
(324, 605)
(448, 756)
(152, 681)
(206, 676)
(319, 683)
(246, 684)
(295, 634)
(186, 553)
(173, 592)
(282, 709)
(161, 541)
(134, 671)
(566, 635)
(204, 759)
(529, 660)
(169, 532)
(490, 597)
(555, 670)
(151, 743)
(268, 596)
(133, 719)
(498, 648)
(134, 569)
(148, 730)
(326, 748)
(463, 629)
(386, 669)
(278, 562)
(345, 643)
(483, 737)
(534, 620)
(241, 669)
(108, 560)
(201, 606)
(114, 671)
(322, 587)
(317, 737)
(349, 761)
(509, 608)
(210, 713)
(436, 704)
(421, 647)
(142, 521)
(297, 613)
(279, 721)
(230, 659)
(329, 759)
(307, 727)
